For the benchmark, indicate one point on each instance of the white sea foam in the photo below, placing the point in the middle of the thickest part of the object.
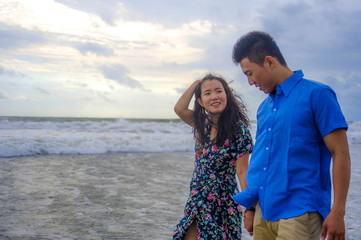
(354, 133)
(42, 136)
(69, 136)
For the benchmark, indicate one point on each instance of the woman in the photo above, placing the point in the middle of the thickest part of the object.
(223, 143)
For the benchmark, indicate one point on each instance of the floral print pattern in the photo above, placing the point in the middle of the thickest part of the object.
(213, 184)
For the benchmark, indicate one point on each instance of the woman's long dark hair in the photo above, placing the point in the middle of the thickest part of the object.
(234, 112)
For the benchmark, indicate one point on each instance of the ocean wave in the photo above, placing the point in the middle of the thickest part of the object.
(72, 136)
(92, 136)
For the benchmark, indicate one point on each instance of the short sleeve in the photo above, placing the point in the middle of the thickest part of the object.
(327, 112)
(243, 141)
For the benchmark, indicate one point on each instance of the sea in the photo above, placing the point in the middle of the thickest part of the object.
(102, 178)
(32, 136)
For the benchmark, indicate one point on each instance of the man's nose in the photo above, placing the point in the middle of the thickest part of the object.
(250, 81)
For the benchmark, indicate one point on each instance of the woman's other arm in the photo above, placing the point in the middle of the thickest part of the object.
(241, 168)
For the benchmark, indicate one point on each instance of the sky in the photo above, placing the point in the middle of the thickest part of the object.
(134, 58)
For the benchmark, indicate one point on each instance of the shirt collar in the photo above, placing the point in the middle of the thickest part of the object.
(287, 86)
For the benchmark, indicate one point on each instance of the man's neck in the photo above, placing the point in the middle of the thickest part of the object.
(284, 74)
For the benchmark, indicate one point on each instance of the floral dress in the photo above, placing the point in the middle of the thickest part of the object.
(213, 184)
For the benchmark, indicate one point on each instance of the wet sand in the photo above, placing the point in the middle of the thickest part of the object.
(114, 196)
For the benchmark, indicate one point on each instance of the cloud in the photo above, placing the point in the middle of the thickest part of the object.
(164, 45)
(10, 73)
(41, 90)
(108, 10)
(147, 11)
(347, 88)
(90, 47)
(119, 73)
(3, 95)
(104, 96)
(180, 90)
(321, 37)
(15, 37)
(173, 13)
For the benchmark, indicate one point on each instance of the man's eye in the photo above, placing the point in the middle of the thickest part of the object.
(250, 74)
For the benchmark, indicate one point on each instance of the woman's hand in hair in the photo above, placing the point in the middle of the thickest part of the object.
(181, 108)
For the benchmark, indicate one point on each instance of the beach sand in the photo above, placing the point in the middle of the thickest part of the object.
(136, 196)
(114, 196)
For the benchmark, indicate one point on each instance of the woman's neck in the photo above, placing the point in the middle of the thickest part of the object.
(215, 120)
(214, 129)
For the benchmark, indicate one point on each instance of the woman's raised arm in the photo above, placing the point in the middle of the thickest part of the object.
(181, 107)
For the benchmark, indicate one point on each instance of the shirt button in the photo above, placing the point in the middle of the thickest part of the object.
(261, 188)
(267, 148)
(275, 109)
(269, 129)
(265, 169)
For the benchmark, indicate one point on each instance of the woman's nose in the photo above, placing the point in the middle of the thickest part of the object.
(214, 96)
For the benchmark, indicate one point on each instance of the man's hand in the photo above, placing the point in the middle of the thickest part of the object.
(333, 227)
(248, 217)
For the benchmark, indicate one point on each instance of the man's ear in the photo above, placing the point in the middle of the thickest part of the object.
(200, 102)
(270, 61)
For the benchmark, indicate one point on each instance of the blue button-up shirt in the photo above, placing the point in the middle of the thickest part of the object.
(289, 170)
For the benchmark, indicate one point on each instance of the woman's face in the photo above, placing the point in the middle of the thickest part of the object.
(213, 96)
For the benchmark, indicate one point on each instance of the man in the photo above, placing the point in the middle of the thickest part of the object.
(300, 126)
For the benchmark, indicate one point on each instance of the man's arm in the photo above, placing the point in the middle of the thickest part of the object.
(334, 225)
